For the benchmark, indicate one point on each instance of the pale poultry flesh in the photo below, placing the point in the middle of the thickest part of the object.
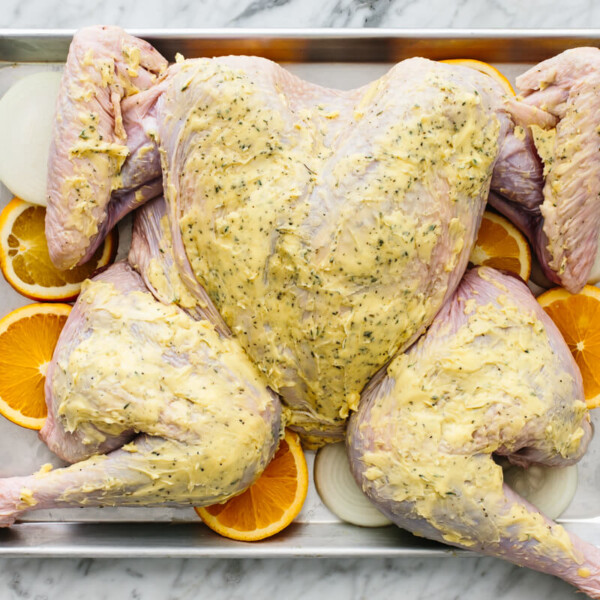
(556, 203)
(102, 163)
(185, 417)
(297, 210)
(328, 227)
(492, 376)
(152, 255)
(322, 231)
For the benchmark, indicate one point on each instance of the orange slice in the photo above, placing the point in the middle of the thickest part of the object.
(25, 261)
(270, 504)
(577, 316)
(502, 246)
(484, 68)
(28, 336)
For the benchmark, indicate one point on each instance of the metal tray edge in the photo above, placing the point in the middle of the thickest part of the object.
(185, 540)
(318, 45)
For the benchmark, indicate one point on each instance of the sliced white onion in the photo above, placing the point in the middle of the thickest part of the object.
(26, 119)
(550, 489)
(340, 493)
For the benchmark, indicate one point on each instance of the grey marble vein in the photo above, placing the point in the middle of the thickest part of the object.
(289, 579)
(302, 13)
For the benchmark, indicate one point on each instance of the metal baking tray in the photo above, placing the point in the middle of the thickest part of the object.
(337, 58)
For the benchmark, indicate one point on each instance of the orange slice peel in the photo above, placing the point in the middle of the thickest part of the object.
(502, 246)
(484, 68)
(28, 336)
(25, 261)
(270, 504)
(577, 316)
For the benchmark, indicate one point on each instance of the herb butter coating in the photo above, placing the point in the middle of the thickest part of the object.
(327, 227)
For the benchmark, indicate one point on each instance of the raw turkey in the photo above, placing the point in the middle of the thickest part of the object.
(327, 227)
(323, 231)
(492, 376)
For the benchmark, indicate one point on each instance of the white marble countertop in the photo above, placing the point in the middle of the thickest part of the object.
(179, 579)
(301, 13)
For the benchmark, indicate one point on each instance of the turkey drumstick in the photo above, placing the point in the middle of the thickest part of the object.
(492, 376)
(202, 423)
